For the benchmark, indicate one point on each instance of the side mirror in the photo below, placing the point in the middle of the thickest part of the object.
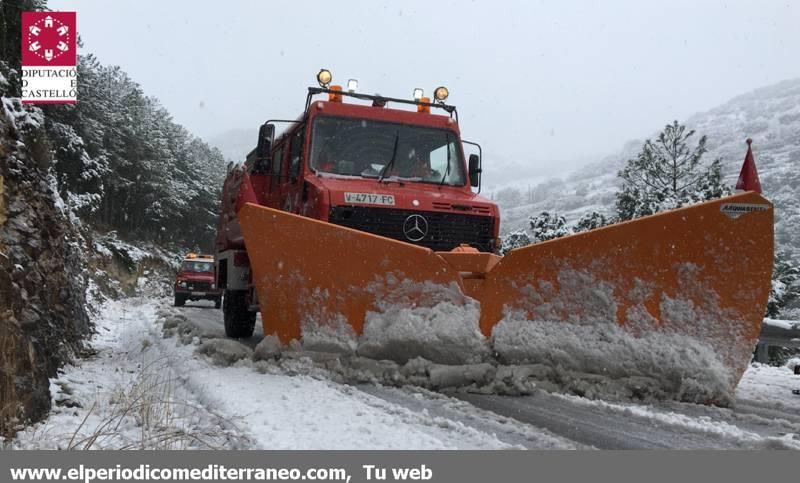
(266, 134)
(475, 170)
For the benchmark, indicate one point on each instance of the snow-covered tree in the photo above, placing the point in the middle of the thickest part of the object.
(123, 163)
(590, 221)
(785, 285)
(514, 240)
(667, 174)
(547, 226)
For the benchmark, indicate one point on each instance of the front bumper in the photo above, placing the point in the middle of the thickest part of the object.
(198, 291)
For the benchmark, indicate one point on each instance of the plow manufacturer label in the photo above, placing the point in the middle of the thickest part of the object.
(369, 199)
(735, 210)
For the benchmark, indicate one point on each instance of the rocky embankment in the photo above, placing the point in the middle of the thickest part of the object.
(42, 279)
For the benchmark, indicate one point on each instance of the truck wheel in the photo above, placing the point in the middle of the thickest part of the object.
(218, 302)
(239, 322)
(179, 300)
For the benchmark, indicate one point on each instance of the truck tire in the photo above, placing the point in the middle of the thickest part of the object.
(239, 322)
(218, 302)
(179, 300)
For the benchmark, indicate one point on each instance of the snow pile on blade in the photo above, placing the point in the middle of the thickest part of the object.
(427, 320)
(652, 365)
(428, 335)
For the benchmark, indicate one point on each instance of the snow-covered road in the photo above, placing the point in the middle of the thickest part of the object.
(190, 387)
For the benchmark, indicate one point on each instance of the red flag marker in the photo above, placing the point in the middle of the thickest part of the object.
(748, 177)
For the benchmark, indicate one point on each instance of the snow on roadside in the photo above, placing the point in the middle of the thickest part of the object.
(142, 390)
(126, 395)
(770, 386)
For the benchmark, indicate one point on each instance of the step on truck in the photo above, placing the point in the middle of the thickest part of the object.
(365, 200)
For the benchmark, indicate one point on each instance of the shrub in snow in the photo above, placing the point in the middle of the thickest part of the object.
(547, 226)
(590, 221)
(514, 240)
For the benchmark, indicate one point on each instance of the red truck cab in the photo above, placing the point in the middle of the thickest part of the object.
(196, 280)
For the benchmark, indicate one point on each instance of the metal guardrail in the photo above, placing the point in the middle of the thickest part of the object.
(777, 333)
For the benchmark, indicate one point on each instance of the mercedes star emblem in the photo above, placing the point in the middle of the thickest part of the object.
(415, 227)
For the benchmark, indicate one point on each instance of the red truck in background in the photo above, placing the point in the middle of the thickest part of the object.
(196, 280)
(397, 173)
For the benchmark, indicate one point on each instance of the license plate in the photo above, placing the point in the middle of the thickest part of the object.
(198, 293)
(369, 199)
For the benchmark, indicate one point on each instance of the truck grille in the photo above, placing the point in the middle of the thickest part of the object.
(445, 231)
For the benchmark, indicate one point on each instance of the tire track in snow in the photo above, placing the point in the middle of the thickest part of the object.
(509, 430)
(630, 426)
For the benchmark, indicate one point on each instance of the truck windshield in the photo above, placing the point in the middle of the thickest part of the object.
(358, 147)
(197, 267)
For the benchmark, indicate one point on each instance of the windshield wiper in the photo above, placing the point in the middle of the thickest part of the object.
(391, 161)
(446, 171)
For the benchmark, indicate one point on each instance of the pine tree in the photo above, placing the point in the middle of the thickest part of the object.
(785, 284)
(547, 226)
(667, 174)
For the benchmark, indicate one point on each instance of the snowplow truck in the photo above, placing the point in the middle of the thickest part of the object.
(361, 227)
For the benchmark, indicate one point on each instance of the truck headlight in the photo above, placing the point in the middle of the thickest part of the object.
(441, 93)
(213, 286)
(183, 285)
(324, 77)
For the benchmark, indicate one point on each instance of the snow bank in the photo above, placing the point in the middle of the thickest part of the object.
(409, 320)
(225, 352)
(783, 324)
(652, 365)
(445, 333)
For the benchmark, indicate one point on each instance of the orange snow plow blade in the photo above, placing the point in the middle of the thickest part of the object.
(304, 268)
(702, 271)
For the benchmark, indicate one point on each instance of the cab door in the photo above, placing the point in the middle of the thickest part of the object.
(292, 182)
(277, 169)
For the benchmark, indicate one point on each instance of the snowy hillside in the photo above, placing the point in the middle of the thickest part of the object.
(770, 116)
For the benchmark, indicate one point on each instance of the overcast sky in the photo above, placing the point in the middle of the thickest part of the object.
(545, 83)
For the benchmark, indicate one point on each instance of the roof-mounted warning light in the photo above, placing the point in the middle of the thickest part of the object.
(424, 105)
(335, 94)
